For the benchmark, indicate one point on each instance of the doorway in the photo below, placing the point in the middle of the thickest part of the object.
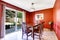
(13, 20)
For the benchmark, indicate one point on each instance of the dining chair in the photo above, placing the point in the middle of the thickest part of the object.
(37, 30)
(26, 30)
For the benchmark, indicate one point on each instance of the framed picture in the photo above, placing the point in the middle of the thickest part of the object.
(39, 16)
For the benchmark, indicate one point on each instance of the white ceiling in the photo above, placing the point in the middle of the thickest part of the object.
(27, 4)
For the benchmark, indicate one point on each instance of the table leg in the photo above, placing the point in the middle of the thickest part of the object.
(33, 33)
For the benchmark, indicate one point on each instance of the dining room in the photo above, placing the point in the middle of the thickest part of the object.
(29, 20)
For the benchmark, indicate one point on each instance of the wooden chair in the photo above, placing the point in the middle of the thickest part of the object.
(26, 30)
(38, 29)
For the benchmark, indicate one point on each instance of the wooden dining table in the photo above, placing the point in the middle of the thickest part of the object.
(34, 27)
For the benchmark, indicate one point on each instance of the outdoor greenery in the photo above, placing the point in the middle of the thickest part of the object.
(19, 15)
(10, 15)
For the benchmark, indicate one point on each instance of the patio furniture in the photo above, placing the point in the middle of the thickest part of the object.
(8, 25)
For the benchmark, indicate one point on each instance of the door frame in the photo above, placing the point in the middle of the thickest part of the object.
(4, 16)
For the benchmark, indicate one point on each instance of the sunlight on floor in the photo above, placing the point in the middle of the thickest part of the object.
(47, 35)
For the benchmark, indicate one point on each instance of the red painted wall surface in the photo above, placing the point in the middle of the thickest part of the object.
(57, 18)
(27, 17)
(48, 16)
(1, 14)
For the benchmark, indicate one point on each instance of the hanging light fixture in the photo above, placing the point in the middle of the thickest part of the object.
(32, 7)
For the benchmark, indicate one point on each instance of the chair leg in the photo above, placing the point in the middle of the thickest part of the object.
(27, 36)
(22, 35)
(33, 35)
(39, 37)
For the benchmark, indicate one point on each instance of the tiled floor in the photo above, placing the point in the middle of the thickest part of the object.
(47, 35)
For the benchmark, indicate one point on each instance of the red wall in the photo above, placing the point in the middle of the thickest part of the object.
(48, 16)
(27, 17)
(57, 18)
(1, 14)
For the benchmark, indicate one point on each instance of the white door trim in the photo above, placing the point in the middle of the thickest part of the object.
(4, 17)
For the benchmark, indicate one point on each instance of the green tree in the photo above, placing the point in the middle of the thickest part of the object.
(19, 15)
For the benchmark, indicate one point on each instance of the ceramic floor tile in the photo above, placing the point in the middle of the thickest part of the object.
(47, 35)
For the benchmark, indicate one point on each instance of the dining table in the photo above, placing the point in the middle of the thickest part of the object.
(34, 27)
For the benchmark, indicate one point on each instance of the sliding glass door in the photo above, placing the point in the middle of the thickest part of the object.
(19, 20)
(13, 20)
(10, 22)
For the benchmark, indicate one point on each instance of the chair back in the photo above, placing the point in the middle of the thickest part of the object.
(24, 27)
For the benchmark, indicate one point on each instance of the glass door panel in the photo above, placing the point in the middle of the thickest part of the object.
(9, 22)
(19, 20)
